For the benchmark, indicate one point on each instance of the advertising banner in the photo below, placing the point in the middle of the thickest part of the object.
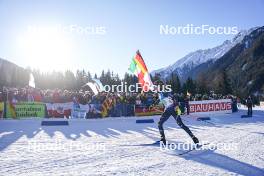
(78, 113)
(59, 109)
(262, 104)
(148, 111)
(211, 106)
(1, 109)
(25, 109)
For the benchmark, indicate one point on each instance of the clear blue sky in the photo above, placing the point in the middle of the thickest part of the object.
(130, 25)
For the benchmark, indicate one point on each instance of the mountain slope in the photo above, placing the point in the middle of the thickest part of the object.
(243, 64)
(184, 67)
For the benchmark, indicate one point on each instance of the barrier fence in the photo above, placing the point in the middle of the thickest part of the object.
(74, 110)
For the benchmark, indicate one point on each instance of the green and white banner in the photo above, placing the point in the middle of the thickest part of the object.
(25, 109)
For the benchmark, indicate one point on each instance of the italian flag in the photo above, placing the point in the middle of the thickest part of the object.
(139, 68)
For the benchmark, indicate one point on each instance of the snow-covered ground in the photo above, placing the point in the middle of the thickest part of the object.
(118, 146)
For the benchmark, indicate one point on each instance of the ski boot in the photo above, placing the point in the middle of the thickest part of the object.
(195, 140)
(163, 141)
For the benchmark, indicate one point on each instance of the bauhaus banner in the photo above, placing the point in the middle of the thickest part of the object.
(211, 106)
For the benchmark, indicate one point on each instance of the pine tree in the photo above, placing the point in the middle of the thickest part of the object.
(189, 86)
(69, 80)
(174, 81)
(202, 86)
(224, 84)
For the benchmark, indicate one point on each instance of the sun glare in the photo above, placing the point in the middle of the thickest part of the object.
(46, 50)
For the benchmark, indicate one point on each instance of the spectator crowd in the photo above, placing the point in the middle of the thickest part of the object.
(124, 103)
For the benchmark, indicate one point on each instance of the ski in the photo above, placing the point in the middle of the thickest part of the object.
(192, 149)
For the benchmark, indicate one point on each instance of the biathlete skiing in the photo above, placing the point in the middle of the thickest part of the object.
(172, 109)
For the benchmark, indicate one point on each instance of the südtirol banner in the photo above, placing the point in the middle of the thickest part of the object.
(59, 109)
(25, 109)
(211, 106)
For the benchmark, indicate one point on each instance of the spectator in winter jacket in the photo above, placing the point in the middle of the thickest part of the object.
(249, 105)
(187, 104)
